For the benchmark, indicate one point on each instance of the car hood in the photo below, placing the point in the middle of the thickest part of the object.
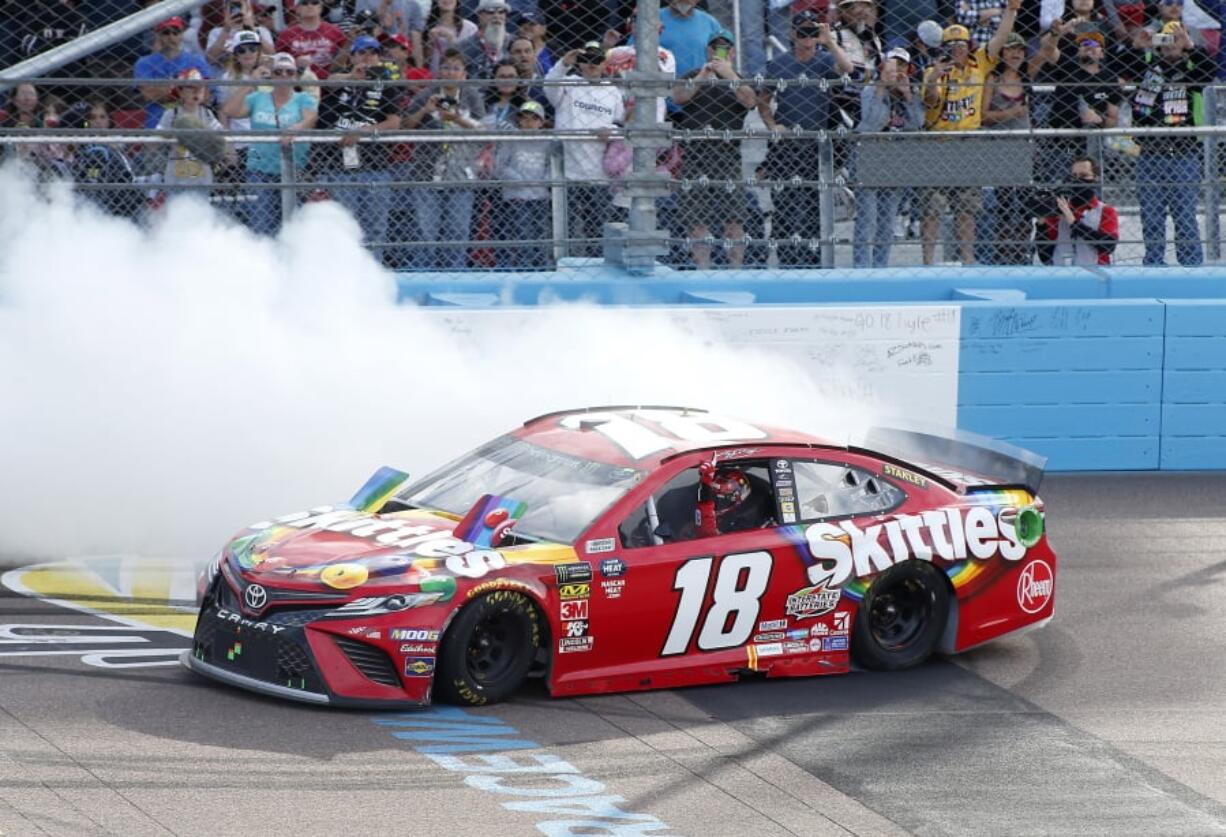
(340, 549)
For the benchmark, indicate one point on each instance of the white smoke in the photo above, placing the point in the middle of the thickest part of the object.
(161, 388)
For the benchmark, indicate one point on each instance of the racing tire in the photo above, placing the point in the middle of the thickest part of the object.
(489, 648)
(901, 618)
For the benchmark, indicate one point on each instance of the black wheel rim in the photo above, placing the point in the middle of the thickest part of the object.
(898, 614)
(493, 647)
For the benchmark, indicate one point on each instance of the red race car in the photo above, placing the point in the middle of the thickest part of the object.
(624, 548)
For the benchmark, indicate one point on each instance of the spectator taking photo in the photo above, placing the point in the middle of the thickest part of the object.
(1076, 227)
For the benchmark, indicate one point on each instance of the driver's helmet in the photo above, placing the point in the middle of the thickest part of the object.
(731, 490)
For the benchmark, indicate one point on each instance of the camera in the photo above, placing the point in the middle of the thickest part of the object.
(721, 53)
(448, 103)
(1163, 39)
(591, 56)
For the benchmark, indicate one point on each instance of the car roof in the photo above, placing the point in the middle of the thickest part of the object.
(644, 436)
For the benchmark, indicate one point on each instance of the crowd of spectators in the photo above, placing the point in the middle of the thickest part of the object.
(491, 67)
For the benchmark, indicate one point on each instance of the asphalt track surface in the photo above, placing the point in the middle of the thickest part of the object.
(1110, 721)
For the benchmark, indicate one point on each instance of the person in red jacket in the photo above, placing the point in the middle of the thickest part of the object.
(1084, 230)
(312, 40)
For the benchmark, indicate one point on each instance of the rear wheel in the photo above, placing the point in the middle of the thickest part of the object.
(488, 650)
(902, 617)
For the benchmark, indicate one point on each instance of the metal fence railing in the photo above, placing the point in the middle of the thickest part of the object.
(457, 152)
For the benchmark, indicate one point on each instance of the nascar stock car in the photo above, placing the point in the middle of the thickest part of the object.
(625, 548)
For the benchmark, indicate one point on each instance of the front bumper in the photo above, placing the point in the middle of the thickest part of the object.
(252, 684)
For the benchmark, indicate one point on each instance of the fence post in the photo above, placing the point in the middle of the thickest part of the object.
(289, 179)
(561, 244)
(1213, 180)
(635, 246)
(825, 197)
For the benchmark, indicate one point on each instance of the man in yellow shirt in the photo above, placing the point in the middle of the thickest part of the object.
(954, 101)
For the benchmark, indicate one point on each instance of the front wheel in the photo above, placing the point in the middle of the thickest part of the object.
(487, 651)
(902, 617)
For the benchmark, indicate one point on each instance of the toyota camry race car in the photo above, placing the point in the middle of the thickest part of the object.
(624, 548)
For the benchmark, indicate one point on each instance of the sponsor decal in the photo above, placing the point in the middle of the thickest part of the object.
(361, 629)
(578, 627)
(820, 629)
(576, 609)
(770, 649)
(499, 584)
(418, 666)
(842, 622)
(782, 466)
(835, 625)
(734, 453)
(613, 589)
(769, 636)
(599, 545)
(952, 475)
(574, 591)
(1035, 586)
(786, 493)
(773, 625)
(834, 643)
(797, 633)
(374, 635)
(612, 568)
(817, 600)
(904, 475)
(419, 648)
(243, 621)
(416, 538)
(579, 571)
(795, 647)
(568, 645)
(415, 634)
(952, 534)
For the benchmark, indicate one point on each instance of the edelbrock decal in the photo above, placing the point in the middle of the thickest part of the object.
(844, 550)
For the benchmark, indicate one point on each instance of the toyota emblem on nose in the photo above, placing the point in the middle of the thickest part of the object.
(255, 596)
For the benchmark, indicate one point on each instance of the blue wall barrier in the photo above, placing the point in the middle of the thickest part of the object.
(1103, 369)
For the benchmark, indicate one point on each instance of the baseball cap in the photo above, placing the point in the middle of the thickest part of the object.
(929, 31)
(529, 18)
(899, 53)
(533, 108)
(1015, 40)
(721, 35)
(593, 52)
(956, 32)
(1091, 35)
(849, 2)
(243, 37)
(284, 61)
(171, 23)
(363, 42)
(492, 6)
(805, 18)
(399, 40)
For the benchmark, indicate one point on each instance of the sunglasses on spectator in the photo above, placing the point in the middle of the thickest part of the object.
(245, 48)
(807, 32)
(170, 31)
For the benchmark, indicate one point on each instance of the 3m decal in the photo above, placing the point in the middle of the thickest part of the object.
(577, 572)
(817, 600)
(574, 591)
(1035, 586)
(576, 609)
(734, 607)
(844, 550)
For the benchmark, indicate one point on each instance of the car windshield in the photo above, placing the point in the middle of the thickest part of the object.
(564, 493)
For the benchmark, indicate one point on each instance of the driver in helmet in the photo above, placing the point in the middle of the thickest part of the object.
(728, 501)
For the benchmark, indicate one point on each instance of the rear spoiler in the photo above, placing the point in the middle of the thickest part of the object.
(975, 460)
